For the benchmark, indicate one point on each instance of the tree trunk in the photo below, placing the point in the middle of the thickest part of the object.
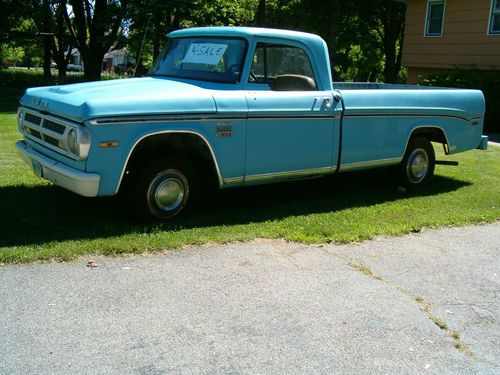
(62, 70)
(331, 41)
(260, 17)
(92, 67)
(393, 22)
(158, 31)
(47, 41)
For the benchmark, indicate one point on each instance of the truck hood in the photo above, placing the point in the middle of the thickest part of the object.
(121, 97)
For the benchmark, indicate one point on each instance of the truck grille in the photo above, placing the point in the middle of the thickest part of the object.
(36, 120)
(54, 126)
(45, 129)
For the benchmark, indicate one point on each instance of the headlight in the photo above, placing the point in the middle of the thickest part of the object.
(78, 142)
(20, 119)
(72, 141)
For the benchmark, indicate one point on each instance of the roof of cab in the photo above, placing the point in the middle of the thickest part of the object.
(248, 32)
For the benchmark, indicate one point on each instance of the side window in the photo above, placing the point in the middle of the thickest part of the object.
(435, 18)
(273, 60)
(494, 18)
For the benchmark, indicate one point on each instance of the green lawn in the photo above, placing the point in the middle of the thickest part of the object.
(39, 221)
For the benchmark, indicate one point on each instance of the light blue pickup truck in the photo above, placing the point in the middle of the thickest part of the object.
(235, 106)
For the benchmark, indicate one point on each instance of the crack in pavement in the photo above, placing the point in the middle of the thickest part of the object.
(425, 305)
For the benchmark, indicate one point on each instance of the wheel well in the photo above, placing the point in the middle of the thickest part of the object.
(432, 134)
(190, 146)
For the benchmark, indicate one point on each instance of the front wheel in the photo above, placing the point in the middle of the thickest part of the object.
(417, 167)
(165, 189)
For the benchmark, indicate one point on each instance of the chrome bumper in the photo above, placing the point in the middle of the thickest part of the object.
(85, 184)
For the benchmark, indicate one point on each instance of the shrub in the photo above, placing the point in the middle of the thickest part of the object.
(486, 80)
(24, 78)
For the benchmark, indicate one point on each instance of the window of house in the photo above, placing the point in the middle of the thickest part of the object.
(272, 60)
(435, 18)
(494, 27)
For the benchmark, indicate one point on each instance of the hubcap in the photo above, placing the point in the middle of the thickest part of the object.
(167, 193)
(418, 164)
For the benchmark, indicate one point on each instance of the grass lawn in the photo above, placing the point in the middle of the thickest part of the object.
(39, 221)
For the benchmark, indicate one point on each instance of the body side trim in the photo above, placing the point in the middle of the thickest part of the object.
(289, 174)
(162, 118)
(371, 163)
(234, 180)
(407, 115)
(159, 118)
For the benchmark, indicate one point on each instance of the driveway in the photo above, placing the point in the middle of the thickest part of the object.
(423, 303)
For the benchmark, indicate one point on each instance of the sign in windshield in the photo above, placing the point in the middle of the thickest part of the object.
(205, 53)
(205, 59)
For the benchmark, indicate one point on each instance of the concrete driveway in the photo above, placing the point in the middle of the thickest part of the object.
(424, 303)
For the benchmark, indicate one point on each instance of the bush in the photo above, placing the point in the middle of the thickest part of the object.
(487, 81)
(24, 78)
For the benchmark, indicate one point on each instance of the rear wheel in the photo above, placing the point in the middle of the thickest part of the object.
(168, 187)
(417, 167)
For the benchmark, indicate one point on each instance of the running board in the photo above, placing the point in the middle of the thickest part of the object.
(447, 162)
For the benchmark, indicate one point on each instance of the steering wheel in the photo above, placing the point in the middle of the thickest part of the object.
(233, 69)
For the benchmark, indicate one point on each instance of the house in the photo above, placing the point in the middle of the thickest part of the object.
(117, 59)
(75, 63)
(443, 34)
(76, 58)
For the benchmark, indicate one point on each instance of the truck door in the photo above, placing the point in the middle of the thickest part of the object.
(291, 127)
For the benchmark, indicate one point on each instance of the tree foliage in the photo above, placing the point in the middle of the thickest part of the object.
(149, 22)
(365, 37)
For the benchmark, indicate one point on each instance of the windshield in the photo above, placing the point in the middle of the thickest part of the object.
(203, 58)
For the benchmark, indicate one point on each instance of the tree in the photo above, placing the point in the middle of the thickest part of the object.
(11, 55)
(94, 29)
(364, 37)
(62, 43)
(392, 17)
(260, 17)
(149, 22)
(13, 32)
(222, 13)
(49, 17)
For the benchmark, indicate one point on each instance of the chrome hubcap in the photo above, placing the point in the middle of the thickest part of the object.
(418, 164)
(167, 193)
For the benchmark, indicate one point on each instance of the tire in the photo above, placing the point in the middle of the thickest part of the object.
(417, 167)
(165, 189)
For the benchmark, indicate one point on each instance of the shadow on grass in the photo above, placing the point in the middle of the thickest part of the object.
(9, 99)
(36, 215)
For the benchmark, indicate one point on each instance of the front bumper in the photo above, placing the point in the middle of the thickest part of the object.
(85, 184)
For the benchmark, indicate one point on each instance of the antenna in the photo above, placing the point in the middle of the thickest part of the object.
(142, 46)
